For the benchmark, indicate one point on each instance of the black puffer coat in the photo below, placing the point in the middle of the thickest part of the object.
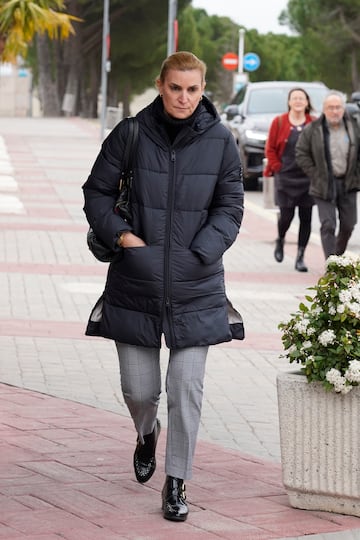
(187, 205)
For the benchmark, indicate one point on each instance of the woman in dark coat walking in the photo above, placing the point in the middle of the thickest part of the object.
(291, 183)
(167, 277)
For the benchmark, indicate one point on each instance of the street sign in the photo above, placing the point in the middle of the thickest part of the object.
(251, 61)
(230, 61)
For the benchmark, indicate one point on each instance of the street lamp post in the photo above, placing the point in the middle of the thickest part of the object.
(171, 26)
(104, 66)
(241, 51)
(241, 77)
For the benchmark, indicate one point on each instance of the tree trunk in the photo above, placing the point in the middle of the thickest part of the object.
(126, 99)
(48, 94)
(73, 63)
(354, 70)
(90, 91)
(2, 43)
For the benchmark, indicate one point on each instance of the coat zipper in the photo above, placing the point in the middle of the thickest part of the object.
(167, 280)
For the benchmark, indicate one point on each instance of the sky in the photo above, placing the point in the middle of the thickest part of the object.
(259, 14)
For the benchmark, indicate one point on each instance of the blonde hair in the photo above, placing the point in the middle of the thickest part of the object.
(182, 61)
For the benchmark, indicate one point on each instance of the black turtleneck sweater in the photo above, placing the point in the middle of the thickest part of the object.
(173, 126)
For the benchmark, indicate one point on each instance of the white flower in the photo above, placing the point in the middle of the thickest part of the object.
(343, 260)
(310, 331)
(327, 332)
(302, 325)
(339, 386)
(345, 296)
(327, 337)
(346, 389)
(355, 308)
(354, 288)
(355, 292)
(334, 377)
(352, 374)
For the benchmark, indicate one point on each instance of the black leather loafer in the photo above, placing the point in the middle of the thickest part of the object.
(144, 455)
(174, 506)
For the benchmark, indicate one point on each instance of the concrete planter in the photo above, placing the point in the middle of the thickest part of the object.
(320, 445)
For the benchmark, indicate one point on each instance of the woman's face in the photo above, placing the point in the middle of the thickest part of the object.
(298, 101)
(181, 92)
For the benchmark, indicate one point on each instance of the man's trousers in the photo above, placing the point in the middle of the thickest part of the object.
(346, 206)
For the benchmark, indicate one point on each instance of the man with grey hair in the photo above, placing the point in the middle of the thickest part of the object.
(328, 152)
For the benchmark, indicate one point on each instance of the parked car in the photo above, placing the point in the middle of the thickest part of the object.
(250, 114)
(353, 106)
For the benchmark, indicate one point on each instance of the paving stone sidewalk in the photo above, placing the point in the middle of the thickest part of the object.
(65, 472)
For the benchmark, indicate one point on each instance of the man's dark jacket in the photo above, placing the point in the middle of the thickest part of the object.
(313, 156)
(187, 206)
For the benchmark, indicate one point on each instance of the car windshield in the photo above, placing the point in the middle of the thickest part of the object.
(274, 100)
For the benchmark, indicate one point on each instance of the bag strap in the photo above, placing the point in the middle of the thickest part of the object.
(131, 143)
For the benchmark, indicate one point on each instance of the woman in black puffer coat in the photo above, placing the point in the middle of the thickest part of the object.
(167, 277)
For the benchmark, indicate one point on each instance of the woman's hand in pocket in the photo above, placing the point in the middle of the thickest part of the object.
(129, 240)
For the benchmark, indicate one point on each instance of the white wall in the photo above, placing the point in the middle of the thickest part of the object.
(15, 90)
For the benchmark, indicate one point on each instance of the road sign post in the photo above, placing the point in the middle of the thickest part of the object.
(241, 50)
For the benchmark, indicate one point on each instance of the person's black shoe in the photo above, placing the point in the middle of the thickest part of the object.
(279, 249)
(300, 266)
(174, 506)
(144, 456)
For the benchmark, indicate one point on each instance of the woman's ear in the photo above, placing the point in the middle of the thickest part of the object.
(158, 85)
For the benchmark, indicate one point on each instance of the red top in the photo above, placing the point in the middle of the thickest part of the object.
(277, 138)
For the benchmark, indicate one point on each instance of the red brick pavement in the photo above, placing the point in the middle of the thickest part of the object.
(66, 472)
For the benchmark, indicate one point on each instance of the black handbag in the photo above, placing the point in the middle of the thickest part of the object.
(101, 251)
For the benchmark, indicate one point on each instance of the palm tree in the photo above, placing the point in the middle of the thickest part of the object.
(20, 20)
